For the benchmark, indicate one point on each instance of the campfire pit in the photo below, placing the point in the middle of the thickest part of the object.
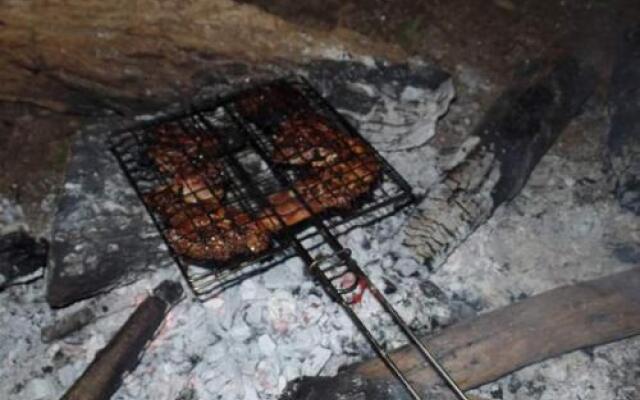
(238, 188)
(255, 337)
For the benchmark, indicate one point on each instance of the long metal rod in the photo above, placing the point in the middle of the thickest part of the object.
(335, 295)
(415, 340)
(380, 351)
(398, 320)
(326, 283)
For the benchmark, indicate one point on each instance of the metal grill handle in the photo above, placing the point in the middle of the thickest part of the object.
(331, 270)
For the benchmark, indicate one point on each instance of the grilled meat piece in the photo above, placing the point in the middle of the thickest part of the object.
(200, 185)
(337, 168)
(207, 231)
(333, 187)
(308, 140)
(174, 149)
(189, 186)
(340, 168)
(174, 209)
(219, 235)
(340, 184)
(200, 227)
(191, 160)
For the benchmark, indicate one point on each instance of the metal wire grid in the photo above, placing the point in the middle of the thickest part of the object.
(248, 176)
(249, 170)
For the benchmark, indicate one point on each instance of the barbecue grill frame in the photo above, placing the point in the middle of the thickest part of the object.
(208, 281)
(328, 269)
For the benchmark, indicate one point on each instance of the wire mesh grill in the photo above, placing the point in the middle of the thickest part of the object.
(232, 184)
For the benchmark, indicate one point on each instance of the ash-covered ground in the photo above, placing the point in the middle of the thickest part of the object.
(246, 344)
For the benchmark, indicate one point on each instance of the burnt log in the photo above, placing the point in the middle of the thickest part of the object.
(623, 141)
(67, 325)
(500, 154)
(104, 375)
(475, 352)
(22, 258)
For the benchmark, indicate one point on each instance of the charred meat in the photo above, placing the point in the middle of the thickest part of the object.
(335, 169)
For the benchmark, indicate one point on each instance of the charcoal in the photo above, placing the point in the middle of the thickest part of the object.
(312, 388)
(21, 257)
(516, 132)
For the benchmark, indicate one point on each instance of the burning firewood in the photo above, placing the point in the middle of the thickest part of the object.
(506, 146)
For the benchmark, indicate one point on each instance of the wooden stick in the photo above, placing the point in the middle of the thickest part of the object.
(104, 375)
(492, 345)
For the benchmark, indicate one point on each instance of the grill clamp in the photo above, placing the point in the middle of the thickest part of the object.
(331, 270)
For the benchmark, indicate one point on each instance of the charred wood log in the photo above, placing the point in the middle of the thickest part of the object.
(104, 375)
(22, 258)
(624, 135)
(67, 325)
(492, 345)
(516, 132)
